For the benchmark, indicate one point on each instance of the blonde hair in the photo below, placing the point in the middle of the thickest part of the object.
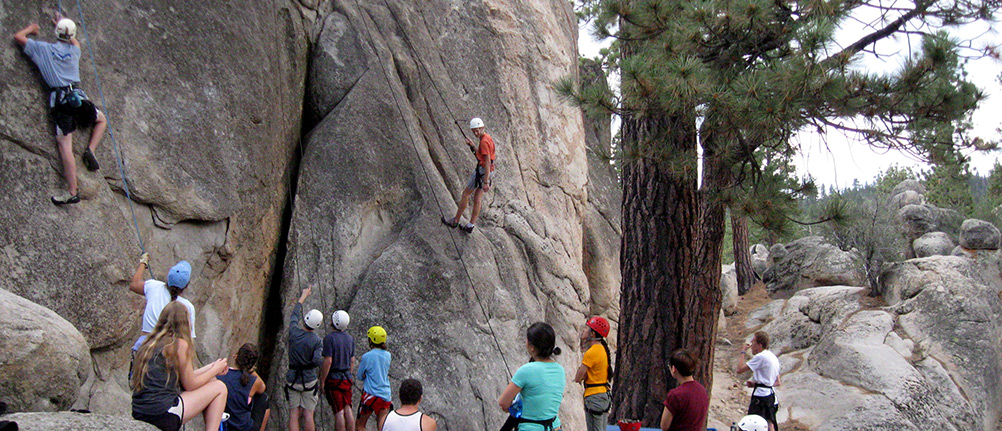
(173, 325)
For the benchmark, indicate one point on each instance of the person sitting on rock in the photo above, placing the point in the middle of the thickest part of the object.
(59, 64)
(246, 400)
(167, 391)
(686, 406)
(374, 372)
(408, 417)
(765, 368)
(336, 372)
(158, 295)
(480, 180)
(301, 388)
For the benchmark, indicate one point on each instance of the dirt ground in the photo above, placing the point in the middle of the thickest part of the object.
(730, 397)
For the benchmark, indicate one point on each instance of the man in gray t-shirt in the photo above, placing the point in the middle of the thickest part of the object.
(59, 64)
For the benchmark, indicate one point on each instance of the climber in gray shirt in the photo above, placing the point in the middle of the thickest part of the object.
(59, 64)
(304, 357)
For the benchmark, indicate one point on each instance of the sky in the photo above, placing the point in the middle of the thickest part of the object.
(836, 160)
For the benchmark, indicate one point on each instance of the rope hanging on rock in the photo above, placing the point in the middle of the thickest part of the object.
(111, 132)
(417, 155)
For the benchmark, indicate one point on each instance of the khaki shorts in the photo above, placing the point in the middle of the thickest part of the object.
(299, 397)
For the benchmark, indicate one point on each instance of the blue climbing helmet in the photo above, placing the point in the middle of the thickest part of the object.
(179, 275)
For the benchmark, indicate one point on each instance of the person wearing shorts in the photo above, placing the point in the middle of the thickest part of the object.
(59, 64)
(302, 388)
(480, 179)
(336, 371)
(374, 372)
(765, 368)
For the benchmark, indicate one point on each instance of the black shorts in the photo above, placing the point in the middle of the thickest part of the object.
(166, 421)
(68, 119)
(765, 407)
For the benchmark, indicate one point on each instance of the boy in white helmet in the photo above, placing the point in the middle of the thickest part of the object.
(335, 374)
(301, 388)
(480, 179)
(59, 64)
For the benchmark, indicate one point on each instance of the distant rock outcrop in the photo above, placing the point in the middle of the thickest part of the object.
(811, 262)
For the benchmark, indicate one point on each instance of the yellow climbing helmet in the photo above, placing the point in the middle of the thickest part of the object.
(377, 335)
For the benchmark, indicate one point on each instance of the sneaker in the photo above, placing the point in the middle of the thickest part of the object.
(468, 228)
(449, 222)
(65, 199)
(90, 161)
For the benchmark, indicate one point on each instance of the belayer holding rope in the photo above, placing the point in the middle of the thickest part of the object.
(594, 372)
(540, 382)
(158, 294)
(302, 388)
(480, 180)
(59, 64)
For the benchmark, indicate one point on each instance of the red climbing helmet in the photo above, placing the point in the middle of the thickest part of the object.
(600, 325)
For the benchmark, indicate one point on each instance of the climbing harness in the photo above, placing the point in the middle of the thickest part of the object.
(111, 132)
(417, 154)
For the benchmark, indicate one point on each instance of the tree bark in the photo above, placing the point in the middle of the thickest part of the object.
(666, 301)
(742, 253)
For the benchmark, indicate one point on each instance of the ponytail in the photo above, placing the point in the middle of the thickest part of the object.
(246, 359)
(608, 359)
(174, 292)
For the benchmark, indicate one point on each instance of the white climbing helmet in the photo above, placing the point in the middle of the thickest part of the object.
(753, 423)
(476, 123)
(313, 319)
(66, 29)
(340, 320)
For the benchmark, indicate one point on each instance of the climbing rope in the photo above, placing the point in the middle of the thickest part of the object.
(111, 132)
(431, 185)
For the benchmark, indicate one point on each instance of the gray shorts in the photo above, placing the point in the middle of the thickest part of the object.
(596, 411)
(307, 399)
(476, 180)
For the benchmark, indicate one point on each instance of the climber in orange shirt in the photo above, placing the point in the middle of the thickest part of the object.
(480, 179)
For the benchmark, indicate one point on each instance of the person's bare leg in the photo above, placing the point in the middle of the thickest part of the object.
(363, 417)
(209, 400)
(100, 125)
(294, 418)
(478, 197)
(65, 144)
(339, 420)
(308, 423)
(264, 422)
(459, 212)
(382, 415)
(349, 418)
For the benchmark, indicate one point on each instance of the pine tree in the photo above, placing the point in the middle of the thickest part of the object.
(753, 72)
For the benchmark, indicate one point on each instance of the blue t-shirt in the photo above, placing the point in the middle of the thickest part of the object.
(542, 386)
(374, 371)
(58, 62)
(340, 347)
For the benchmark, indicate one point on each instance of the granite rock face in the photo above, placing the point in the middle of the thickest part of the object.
(385, 160)
(206, 122)
(811, 262)
(76, 422)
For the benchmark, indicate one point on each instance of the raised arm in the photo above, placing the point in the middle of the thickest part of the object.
(137, 282)
(22, 36)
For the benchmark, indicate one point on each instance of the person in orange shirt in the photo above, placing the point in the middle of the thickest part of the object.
(480, 179)
(595, 373)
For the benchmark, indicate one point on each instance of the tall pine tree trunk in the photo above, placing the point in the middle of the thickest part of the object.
(664, 301)
(742, 253)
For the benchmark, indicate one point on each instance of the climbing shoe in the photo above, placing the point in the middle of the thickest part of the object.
(449, 222)
(468, 228)
(65, 199)
(90, 161)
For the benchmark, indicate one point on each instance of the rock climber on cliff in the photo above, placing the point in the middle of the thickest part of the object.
(59, 64)
(480, 180)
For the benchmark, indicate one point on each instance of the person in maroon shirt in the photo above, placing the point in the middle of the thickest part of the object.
(686, 405)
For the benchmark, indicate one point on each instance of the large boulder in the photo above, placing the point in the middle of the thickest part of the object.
(915, 186)
(979, 235)
(933, 244)
(386, 160)
(759, 259)
(950, 307)
(809, 315)
(206, 126)
(729, 289)
(811, 262)
(43, 359)
(76, 422)
(917, 220)
(907, 197)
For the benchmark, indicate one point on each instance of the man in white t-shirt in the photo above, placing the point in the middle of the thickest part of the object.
(158, 294)
(764, 367)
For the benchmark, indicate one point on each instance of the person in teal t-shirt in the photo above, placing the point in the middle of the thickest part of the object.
(540, 383)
